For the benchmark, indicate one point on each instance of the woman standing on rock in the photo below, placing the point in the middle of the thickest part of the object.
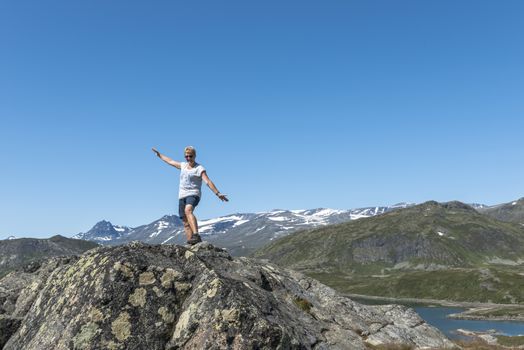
(191, 176)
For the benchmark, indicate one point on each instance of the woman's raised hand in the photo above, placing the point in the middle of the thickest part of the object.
(223, 197)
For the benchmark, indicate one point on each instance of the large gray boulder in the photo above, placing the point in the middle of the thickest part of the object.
(141, 296)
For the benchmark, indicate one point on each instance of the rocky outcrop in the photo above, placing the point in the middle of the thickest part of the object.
(18, 291)
(140, 296)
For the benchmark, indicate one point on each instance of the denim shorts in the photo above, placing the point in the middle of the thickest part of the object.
(193, 200)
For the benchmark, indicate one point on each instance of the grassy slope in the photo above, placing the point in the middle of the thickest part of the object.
(474, 285)
(336, 255)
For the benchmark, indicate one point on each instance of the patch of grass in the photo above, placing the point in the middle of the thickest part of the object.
(477, 344)
(304, 304)
(510, 341)
(516, 311)
(460, 284)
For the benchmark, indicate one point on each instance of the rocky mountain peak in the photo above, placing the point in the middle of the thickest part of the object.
(458, 205)
(428, 204)
(451, 205)
(58, 238)
(103, 231)
(139, 296)
(102, 226)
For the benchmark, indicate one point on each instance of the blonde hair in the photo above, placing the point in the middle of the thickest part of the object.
(190, 149)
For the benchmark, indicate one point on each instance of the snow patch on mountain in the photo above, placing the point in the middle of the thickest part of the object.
(167, 240)
(240, 222)
(161, 225)
(217, 224)
(218, 220)
(104, 238)
(277, 218)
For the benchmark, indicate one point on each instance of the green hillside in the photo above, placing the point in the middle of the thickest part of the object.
(433, 250)
(17, 253)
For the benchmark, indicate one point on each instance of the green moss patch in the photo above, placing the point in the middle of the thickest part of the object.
(304, 304)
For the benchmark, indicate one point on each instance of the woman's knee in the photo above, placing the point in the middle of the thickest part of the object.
(188, 211)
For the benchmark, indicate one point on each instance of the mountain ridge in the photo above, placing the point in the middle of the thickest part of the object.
(240, 233)
(511, 212)
(18, 252)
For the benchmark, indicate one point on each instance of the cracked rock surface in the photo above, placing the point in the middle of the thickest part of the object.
(140, 296)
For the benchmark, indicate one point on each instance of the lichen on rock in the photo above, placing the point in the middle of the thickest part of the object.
(146, 278)
(167, 316)
(184, 323)
(138, 298)
(214, 285)
(182, 287)
(121, 328)
(230, 315)
(169, 277)
(124, 269)
(84, 338)
(95, 315)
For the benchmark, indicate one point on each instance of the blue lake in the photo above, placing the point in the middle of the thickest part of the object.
(437, 317)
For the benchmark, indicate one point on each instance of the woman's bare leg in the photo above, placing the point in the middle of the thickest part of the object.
(187, 228)
(191, 218)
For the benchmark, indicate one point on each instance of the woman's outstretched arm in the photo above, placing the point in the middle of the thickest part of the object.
(213, 188)
(167, 159)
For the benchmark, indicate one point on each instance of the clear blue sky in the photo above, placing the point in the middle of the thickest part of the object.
(290, 104)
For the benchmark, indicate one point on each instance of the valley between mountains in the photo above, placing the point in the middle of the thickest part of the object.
(441, 251)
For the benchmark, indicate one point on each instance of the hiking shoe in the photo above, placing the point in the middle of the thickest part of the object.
(195, 238)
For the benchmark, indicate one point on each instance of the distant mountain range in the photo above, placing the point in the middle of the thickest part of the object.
(241, 234)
